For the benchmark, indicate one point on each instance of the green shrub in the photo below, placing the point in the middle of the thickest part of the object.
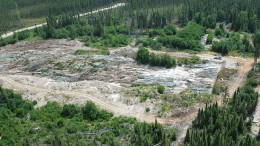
(219, 32)
(147, 109)
(35, 102)
(92, 113)
(23, 35)
(251, 82)
(119, 40)
(143, 55)
(184, 61)
(195, 59)
(170, 29)
(156, 32)
(60, 33)
(180, 43)
(4, 113)
(167, 61)
(9, 40)
(210, 38)
(188, 61)
(192, 31)
(217, 88)
(60, 123)
(160, 89)
(143, 98)
(69, 110)
(221, 47)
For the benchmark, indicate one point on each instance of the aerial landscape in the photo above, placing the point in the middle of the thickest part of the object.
(130, 73)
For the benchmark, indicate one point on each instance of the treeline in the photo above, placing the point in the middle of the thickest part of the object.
(41, 8)
(52, 124)
(228, 125)
(243, 14)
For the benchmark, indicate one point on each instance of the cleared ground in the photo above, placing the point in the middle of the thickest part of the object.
(49, 71)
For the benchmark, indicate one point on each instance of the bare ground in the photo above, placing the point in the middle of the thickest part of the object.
(49, 71)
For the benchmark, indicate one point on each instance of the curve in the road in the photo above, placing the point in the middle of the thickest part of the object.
(102, 104)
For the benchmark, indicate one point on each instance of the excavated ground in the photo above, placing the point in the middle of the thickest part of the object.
(49, 71)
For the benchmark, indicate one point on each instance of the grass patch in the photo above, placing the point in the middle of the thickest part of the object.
(187, 98)
(237, 53)
(33, 21)
(220, 83)
(143, 92)
(165, 107)
(59, 74)
(107, 41)
(189, 61)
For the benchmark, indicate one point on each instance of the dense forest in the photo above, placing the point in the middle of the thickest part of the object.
(12, 12)
(228, 125)
(243, 14)
(52, 124)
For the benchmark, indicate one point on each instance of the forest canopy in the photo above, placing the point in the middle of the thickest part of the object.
(243, 14)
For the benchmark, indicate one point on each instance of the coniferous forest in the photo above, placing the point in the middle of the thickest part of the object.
(228, 125)
(12, 12)
(243, 14)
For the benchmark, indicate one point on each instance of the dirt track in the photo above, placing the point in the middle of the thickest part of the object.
(181, 123)
(107, 106)
(245, 65)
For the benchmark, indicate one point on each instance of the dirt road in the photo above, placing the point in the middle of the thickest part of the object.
(181, 123)
(102, 104)
(83, 14)
(244, 66)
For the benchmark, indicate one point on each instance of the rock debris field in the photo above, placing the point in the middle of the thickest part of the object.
(55, 59)
(53, 66)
